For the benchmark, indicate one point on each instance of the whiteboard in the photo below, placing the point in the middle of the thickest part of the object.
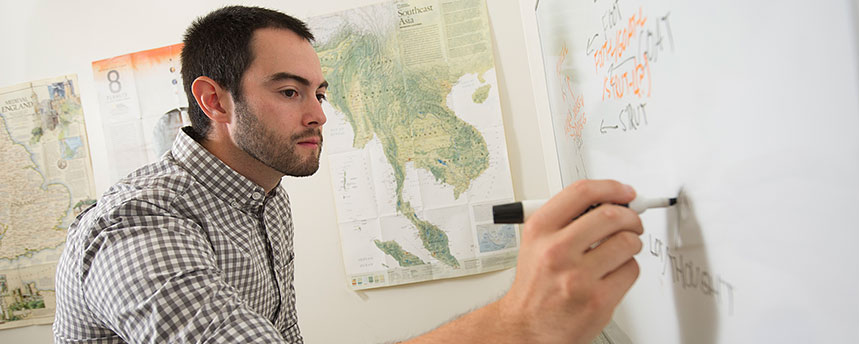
(748, 111)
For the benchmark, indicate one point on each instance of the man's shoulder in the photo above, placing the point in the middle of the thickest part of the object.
(160, 182)
(160, 188)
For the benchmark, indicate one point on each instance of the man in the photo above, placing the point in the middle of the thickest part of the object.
(198, 246)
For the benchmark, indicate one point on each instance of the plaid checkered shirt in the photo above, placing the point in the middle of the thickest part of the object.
(182, 250)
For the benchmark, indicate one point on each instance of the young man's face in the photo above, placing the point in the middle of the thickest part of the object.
(279, 121)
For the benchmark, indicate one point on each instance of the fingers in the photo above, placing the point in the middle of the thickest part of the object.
(599, 224)
(560, 279)
(610, 255)
(575, 199)
(619, 281)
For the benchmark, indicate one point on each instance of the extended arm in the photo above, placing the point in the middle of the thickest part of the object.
(565, 290)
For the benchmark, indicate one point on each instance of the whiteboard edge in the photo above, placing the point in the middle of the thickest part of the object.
(528, 10)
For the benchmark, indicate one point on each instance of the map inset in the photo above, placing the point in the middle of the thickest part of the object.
(45, 180)
(414, 138)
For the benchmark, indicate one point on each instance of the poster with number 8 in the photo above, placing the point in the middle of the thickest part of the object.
(142, 106)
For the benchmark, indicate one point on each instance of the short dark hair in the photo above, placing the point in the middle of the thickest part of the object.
(218, 46)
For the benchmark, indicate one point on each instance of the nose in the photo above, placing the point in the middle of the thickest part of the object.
(314, 117)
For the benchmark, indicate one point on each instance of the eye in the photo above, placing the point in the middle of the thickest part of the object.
(321, 97)
(289, 93)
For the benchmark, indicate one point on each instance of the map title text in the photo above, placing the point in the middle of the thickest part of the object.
(16, 104)
(406, 15)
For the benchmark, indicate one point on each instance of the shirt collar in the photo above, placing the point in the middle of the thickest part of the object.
(215, 175)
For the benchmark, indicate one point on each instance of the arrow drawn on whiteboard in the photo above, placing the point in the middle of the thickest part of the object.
(604, 127)
(588, 49)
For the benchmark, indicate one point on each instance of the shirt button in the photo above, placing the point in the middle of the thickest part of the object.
(256, 196)
(234, 204)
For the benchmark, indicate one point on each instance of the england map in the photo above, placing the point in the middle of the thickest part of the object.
(46, 179)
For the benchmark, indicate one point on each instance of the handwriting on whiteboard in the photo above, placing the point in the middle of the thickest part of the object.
(690, 275)
(623, 56)
(629, 118)
(574, 104)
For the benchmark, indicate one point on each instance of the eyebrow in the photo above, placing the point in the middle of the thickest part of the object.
(282, 76)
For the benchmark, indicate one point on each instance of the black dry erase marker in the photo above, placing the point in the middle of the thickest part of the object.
(518, 212)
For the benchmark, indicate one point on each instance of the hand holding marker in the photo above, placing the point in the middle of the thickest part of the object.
(519, 212)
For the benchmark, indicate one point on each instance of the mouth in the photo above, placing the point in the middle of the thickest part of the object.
(310, 142)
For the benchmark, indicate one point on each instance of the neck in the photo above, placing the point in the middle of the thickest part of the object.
(243, 163)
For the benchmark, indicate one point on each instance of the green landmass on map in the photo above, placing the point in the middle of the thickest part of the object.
(405, 107)
(404, 258)
(481, 94)
(37, 133)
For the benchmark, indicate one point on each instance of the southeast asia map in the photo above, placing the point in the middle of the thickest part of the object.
(46, 179)
(415, 141)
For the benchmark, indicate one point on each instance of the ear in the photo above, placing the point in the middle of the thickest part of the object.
(215, 101)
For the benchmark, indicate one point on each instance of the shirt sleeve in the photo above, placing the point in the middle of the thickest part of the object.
(152, 277)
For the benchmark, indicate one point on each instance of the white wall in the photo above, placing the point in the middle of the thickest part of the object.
(43, 38)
